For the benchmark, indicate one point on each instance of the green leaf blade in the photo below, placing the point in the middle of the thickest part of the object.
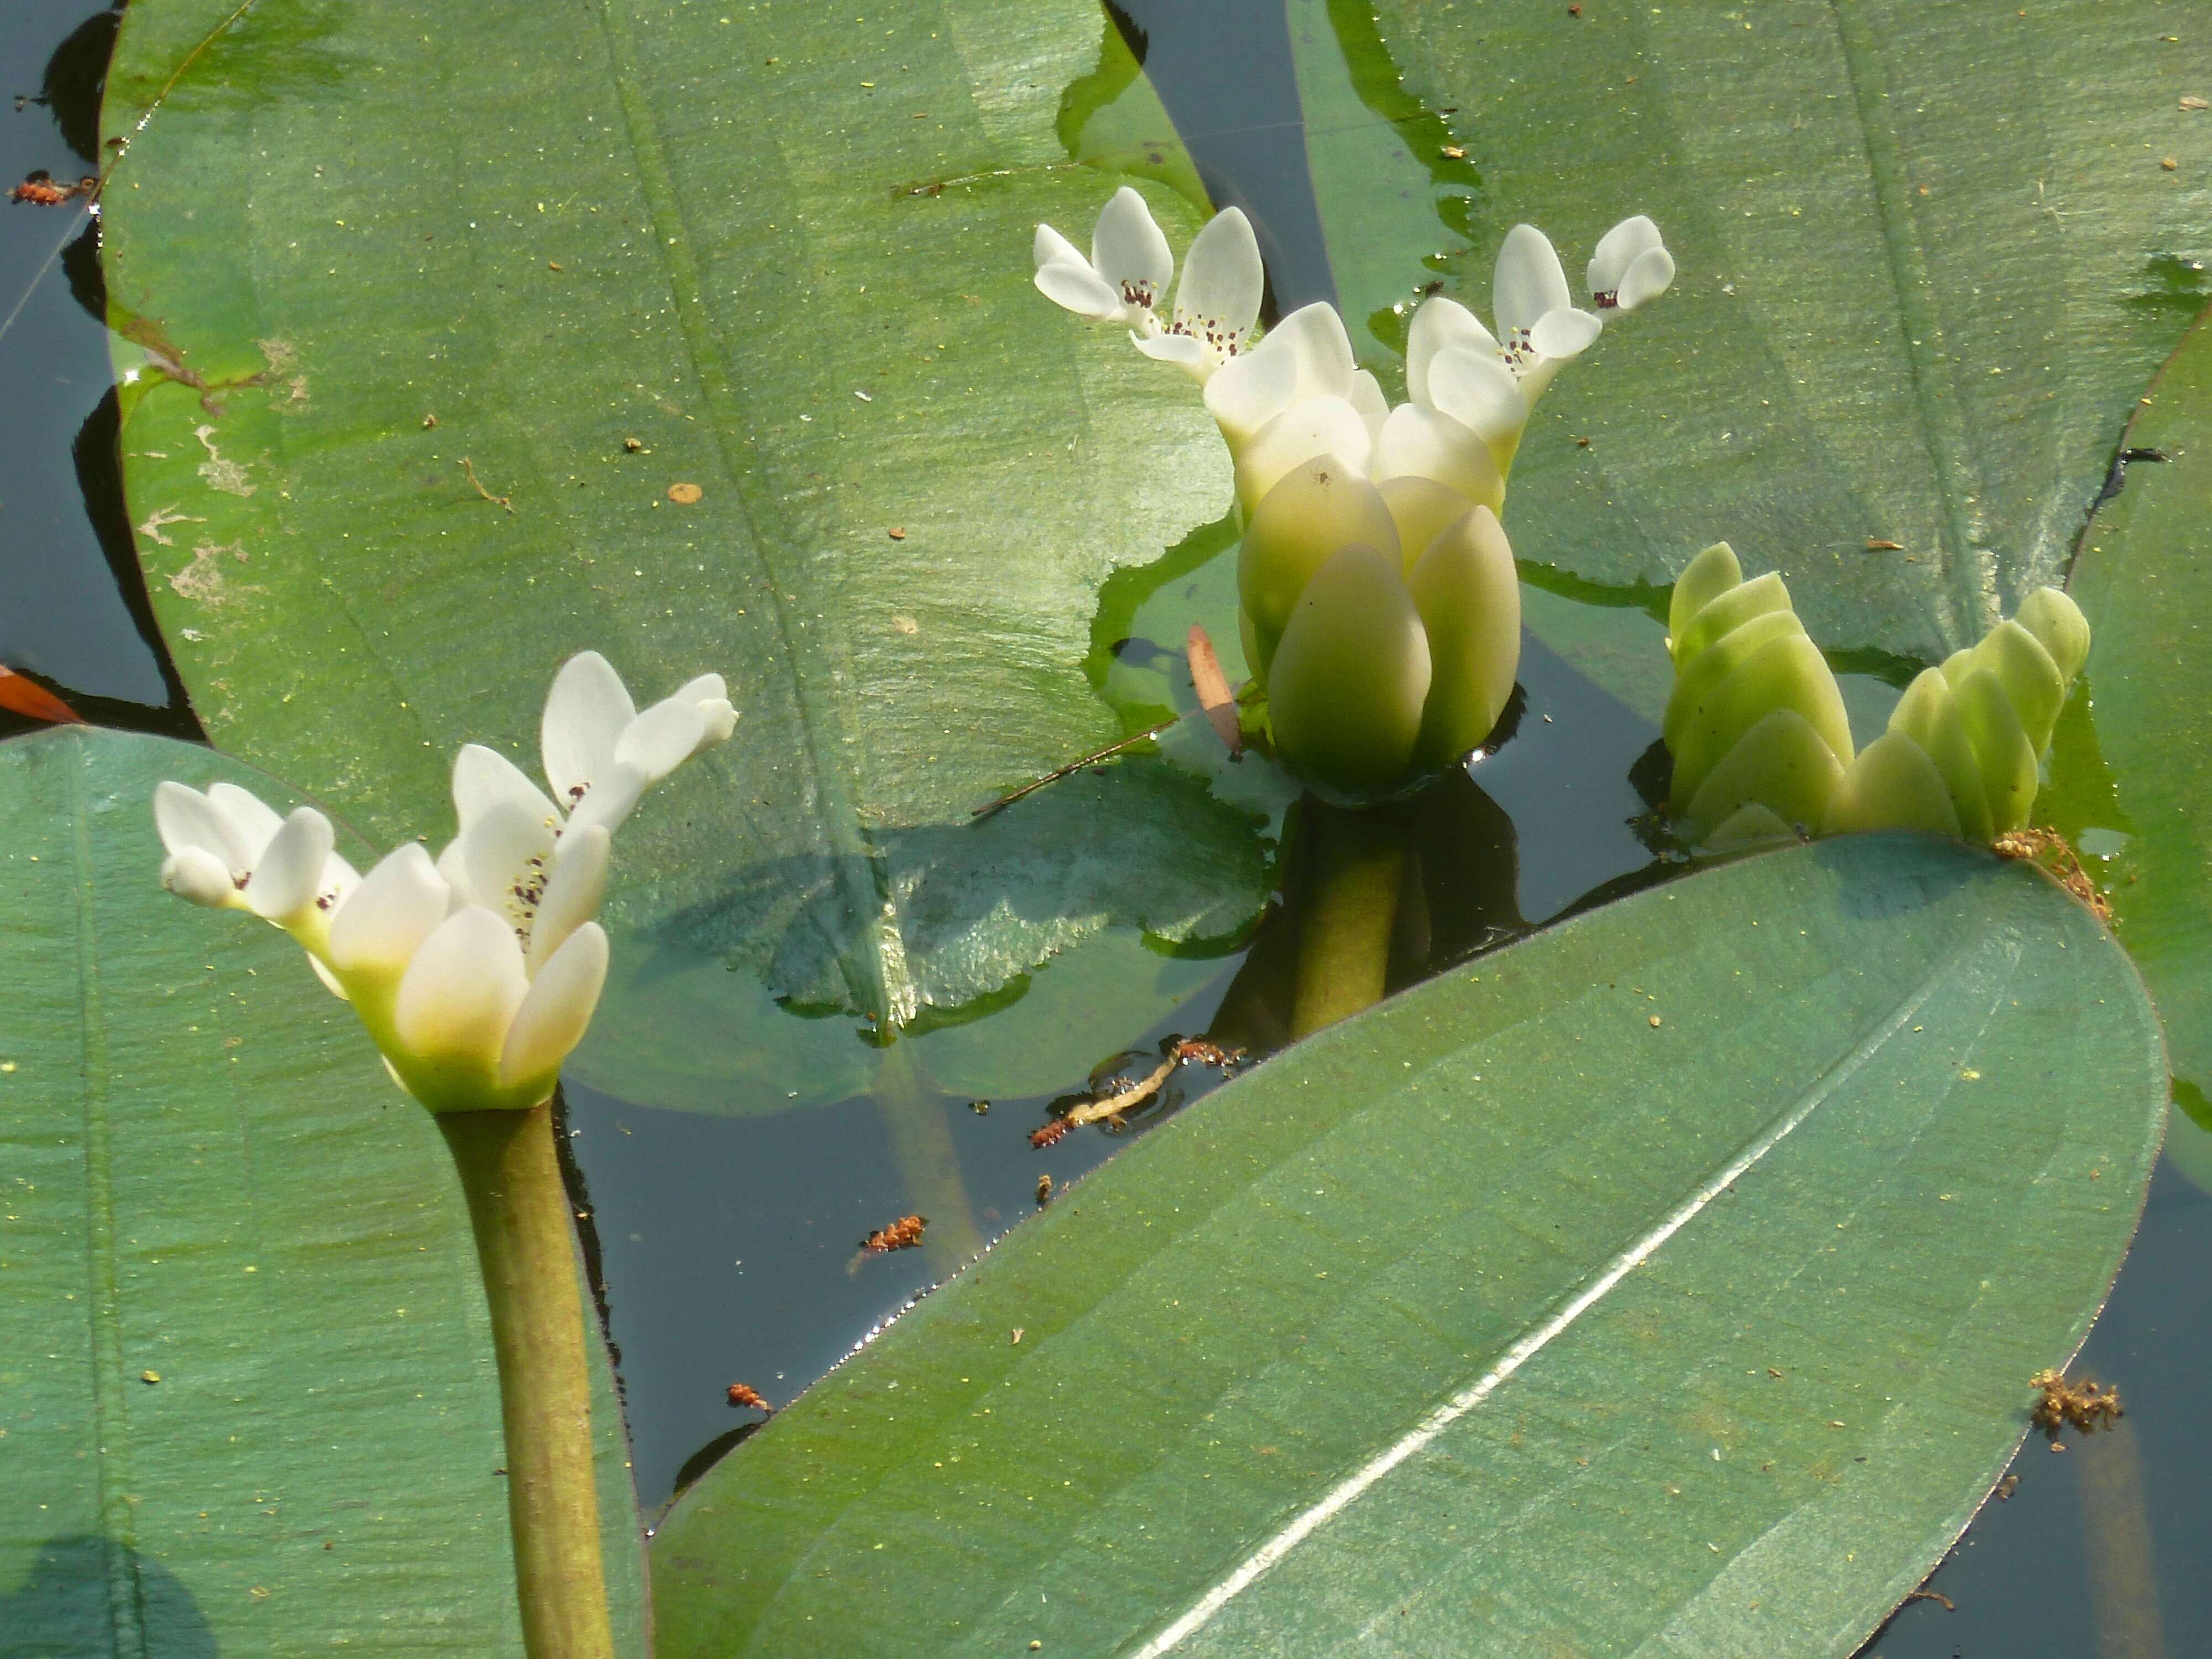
(249, 1400)
(914, 471)
(1851, 1117)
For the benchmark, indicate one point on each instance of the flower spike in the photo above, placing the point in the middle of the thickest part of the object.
(474, 974)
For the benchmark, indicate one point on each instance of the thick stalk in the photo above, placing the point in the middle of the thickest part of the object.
(2116, 1527)
(525, 1244)
(1349, 910)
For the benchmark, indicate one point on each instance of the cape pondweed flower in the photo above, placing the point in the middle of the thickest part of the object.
(476, 974)
(1127, 275)
(1379, 606)
(1762, 749)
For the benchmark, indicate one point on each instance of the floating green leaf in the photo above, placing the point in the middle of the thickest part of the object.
(2128, 784)
(1717, 1231)
(1926, 268)
(503, 333)
(245, 1362)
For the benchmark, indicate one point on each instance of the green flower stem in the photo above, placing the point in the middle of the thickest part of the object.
(525, 1244)
(1349, 912)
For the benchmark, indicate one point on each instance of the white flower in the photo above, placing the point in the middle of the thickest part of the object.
(227, 850)
(471, 1011)
(1632, 266)
(1489, 383)
(478, 974)
(1126, 276)
(600, 753)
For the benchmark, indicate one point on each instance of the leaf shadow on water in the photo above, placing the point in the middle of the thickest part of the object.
(69, 1593)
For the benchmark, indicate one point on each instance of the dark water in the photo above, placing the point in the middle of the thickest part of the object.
(727, 1247)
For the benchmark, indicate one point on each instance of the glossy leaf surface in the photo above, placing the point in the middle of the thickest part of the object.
(492, 352)
(1668, 1281)
(1927, 261)
(2131, 764)
(247, 1396)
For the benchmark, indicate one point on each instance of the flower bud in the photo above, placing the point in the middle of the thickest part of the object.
(1349, 678)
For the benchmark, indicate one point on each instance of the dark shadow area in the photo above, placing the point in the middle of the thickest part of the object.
(65, 1605)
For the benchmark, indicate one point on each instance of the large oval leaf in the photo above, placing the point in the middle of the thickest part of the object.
(1929, 258)
(2131, 785)
(247, 1369)
(702, 335)
(1668, 1282)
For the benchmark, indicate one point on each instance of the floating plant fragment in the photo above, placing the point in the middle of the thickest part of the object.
(1761, 746)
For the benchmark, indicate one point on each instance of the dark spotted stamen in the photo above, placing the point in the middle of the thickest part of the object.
(1518, 350)
(1139, 293)
(1209, 331)
(1609, 300)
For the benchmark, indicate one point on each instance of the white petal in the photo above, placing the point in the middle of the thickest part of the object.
(572, 893)
(454, 870)
(1367, 397)
(1647, 279)
(1250, 391)
(718, 720)
(585, 712)
(390, 914)
(1421, 443)
(331, 982)
(255, 820)
(1478, 391)
(610, 799)
(662, 738)
(1565, 332)
(1318, 426)
(1049, 247)
(1530, 280)
(1080, 290)
(1129, 250)
(1181, 350)
(706, 688)
(506, 853)
(484, 779)
(1440, 325)
(459, 994)
(1218, 298)
(1618, 249)
(289, 874)
(195, 873)
(554, 1014)
(1314, 338)
(185, 817)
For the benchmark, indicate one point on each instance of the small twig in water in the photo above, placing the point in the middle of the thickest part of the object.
(1933, 1595)
(1213, 688)
(496, 500)
(1055, 776)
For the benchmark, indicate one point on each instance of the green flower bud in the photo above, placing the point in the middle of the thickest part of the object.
(1350, 676)
(1423, 509)
(1788, 672)
(1704, 580)
(1928, 715)
(1891, 785)
(2031, 679)
(1468, 594)
(1781, 766)
(2056, 621)
(2002, 745)
(1318, 508)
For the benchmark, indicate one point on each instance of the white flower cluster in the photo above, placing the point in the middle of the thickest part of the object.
(476, 973)
(1380, 604)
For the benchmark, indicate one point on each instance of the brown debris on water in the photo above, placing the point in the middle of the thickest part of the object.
(746, 1397)
(2051, 853)
(901, 1234)
(2084, 1406)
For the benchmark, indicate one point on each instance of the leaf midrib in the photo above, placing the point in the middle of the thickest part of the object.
(126, 1609)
